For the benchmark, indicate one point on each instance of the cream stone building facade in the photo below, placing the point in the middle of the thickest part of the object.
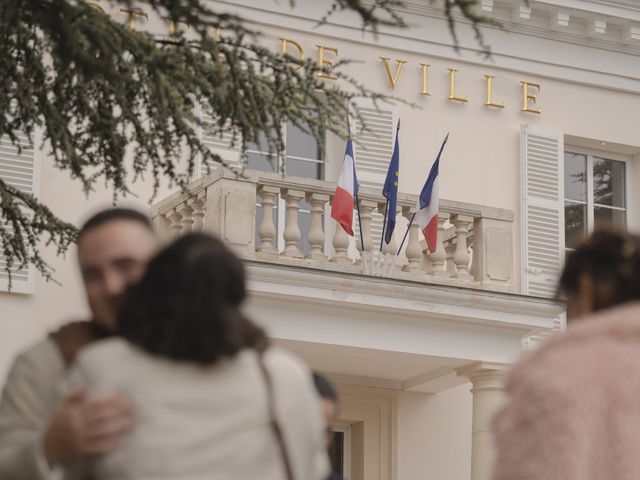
(543, 147)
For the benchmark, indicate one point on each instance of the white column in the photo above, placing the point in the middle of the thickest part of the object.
(488, 397)
(340, 246)
(413, 250)
(461, 256)
(197, 205)
(267, 229)
(439, 257)
(292, 233)
(186, 212)
(175, 223)
(316, 232)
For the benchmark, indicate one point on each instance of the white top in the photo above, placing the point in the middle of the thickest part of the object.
(208, 423)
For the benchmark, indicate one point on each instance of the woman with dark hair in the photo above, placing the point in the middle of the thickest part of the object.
(211, 398)
(573, 411)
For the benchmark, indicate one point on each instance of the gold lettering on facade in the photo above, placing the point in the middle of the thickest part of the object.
(393, 78)
(425, 81)
(529, 97)
(490, 102)
(324, 62)
(133, 14)
(284, 46)
(174, 27)
(452, 87)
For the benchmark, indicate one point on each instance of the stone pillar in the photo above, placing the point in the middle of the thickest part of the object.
(488, 398)
(231, 213)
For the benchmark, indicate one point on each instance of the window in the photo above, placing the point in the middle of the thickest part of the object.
(303, 157)
(595, 194)
(340, 450)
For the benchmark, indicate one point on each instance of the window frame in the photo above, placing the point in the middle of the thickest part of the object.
(590, 153)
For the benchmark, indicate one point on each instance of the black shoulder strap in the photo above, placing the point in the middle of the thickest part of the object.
(273, 417)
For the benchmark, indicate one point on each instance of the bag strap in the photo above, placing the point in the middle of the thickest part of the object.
(273, 417)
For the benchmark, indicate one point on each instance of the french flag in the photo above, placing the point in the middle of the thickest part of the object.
(428, 204)
(346, 191)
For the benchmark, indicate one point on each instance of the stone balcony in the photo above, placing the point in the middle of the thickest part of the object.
(474, 250)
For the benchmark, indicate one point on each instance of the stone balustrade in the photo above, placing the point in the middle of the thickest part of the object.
(474, 248)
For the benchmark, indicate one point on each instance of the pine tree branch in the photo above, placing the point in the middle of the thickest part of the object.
(102, 93)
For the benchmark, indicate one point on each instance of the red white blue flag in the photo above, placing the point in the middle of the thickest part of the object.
(346, 191)
(428, 204)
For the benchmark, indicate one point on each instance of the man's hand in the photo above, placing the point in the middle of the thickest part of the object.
(82, 426)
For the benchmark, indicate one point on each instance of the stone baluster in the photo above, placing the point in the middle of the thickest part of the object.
(292, 229)
(267, 229)
(316, 232)
(366, 215)
(450, 248)
(197, 205)
(175, 223)
(461, 256)
(438, 258)
(186, 212)
(340, 246)
(413, 251)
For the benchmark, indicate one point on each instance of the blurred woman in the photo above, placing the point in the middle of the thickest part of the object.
(211, 398)
(573, 410)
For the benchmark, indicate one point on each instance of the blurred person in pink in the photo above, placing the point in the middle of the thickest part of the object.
(573, 410)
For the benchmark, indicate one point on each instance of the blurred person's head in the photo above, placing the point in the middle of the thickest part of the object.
(329, 397)
(113, 248)
(187, 305)
(602, 272)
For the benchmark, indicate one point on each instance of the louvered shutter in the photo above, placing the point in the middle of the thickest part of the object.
(19, 169)
(221, 144)
(373, 149)
(542, 216)
(542, 210)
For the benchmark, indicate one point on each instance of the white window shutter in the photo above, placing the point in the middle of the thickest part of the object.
(542, 216)
(222, 145)
(21, 170)
(373, 147)
(542, 210)
(374, 137)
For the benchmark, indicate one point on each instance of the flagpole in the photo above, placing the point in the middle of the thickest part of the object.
(358, 187)
(384, 223)
(406, 233)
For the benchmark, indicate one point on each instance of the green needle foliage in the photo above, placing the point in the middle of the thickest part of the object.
(98, 89)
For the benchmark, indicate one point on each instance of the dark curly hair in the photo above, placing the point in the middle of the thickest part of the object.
(187, 305)
(612, 259)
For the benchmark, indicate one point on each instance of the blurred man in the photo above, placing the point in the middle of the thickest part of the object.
(329, 397)
(113, 249)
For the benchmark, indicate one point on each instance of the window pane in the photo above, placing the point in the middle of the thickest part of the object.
(608, 182)
(575, 176)
(607, 217)
(336, 453)
(301, 168)
(575, 223)
(301, 144)
(262, 162)
(258, 156)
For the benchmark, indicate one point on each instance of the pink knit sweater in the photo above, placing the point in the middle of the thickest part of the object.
(573, 410)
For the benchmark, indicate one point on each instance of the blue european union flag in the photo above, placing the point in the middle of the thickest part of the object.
(390, 189)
